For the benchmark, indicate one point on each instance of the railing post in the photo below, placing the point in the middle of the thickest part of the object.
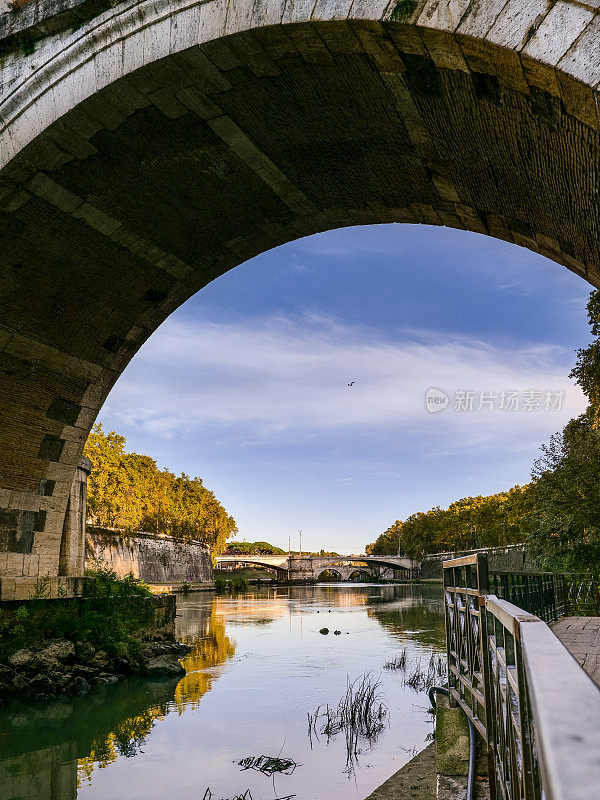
(449, 580)
(486, 669)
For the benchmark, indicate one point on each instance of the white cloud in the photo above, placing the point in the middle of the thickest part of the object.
(286, 379)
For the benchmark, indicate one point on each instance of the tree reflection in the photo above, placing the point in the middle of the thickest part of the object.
(415, 614)
(48, 750)
(213, 649)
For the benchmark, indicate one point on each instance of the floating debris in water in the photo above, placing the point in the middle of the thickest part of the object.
(269, 765)
(324, 631)
(336, 633)
(246, 796)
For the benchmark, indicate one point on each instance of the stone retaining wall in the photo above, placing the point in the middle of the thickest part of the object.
(150, 558)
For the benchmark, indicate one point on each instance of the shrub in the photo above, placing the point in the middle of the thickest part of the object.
(112, 615)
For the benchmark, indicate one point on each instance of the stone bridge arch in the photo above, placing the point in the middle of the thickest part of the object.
(338, 571)
(149, 148)
(275, 563)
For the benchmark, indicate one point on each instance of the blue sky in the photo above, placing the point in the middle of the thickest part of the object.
(246, 384)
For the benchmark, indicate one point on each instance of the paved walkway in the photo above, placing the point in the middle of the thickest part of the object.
(581, 637)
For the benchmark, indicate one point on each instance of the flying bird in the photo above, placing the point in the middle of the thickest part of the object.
(351, 383)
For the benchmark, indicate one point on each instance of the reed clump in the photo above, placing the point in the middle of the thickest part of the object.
(360, 715)
(398, 662)
(421, 679)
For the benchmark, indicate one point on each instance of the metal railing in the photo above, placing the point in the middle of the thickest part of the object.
(532, 704)
(548, 595)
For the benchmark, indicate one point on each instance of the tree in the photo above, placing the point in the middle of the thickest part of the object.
(254, 549)
(587, 368)
(388, 543)
(482, 521)
(128, 491)
(566, 494)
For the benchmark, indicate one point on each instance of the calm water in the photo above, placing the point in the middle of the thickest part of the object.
(258, 665)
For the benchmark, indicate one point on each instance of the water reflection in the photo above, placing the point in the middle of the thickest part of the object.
(417, 616)
(210, 648)
(50, 750)
(261, 650)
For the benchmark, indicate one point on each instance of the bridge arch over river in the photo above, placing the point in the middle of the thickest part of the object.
(306, 568)
(147, 148)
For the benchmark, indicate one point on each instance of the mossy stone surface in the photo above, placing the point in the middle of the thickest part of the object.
(451, 739)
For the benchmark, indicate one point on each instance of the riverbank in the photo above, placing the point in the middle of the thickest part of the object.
(60, 666)
(67, 646)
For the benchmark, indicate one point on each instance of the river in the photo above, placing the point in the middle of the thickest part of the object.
(258, 666)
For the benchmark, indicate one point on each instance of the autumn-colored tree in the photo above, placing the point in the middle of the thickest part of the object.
(482, 521)
(128, 491)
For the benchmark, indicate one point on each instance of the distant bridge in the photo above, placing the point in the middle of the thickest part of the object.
(309, 568)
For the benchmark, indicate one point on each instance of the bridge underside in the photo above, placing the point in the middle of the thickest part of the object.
(141, 194)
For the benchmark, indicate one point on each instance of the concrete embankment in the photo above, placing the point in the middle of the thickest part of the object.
(154, 560)
(414, 781)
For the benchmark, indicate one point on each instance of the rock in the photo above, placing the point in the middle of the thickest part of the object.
(22, 659)
(324, 631)
(123, 665)
(42, 684)
(60, 679)
(100, 660)
(79, 686)
(20, 684)
(84, 651)
(106, 680)
(83, 671)
(59, 650)
(166, 666)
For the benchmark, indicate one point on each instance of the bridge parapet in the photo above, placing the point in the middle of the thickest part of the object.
(307, 568)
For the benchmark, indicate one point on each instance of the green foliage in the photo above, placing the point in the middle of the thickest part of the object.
(587, 368)
(565, 488)
(566, 493)
(238, 583)
(388, 543)
(128, 491)
(403, 10)
(253, 549)
(112, 615)
(498, 519)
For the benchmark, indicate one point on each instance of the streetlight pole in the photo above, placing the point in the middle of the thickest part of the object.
(300, 532)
